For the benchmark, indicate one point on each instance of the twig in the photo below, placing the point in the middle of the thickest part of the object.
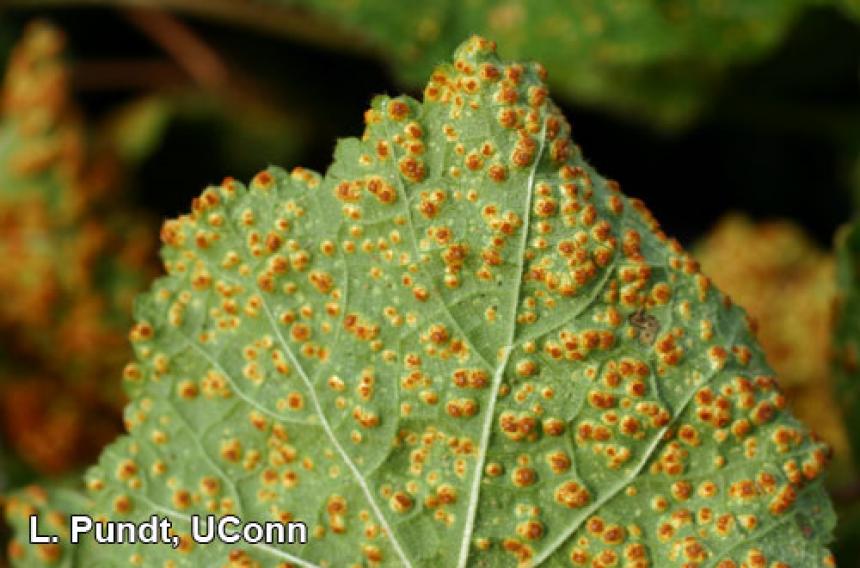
(287, 21)
(109, 74)
(182, 44)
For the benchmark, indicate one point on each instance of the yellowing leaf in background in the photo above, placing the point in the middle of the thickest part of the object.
(788, 285)
(72, 256)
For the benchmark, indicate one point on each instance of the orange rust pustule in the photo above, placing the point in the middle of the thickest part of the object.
(72, 260)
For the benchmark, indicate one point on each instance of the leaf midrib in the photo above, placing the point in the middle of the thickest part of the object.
(324, 423)
(489, 416)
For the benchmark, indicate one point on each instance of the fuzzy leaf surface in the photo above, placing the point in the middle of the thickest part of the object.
(462, 346)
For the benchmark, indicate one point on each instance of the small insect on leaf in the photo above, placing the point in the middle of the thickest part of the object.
(647, 325)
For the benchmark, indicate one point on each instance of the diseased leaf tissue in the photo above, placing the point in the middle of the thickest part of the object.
(433, 355)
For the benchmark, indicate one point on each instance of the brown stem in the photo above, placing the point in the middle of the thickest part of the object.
(106, 74)
(188, 50)
(288, 21)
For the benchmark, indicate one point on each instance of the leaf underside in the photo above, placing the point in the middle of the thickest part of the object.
(460, 347)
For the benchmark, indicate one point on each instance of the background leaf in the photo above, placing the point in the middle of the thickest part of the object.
(847, 335)
(651, 60)
(72, 257)
(53, 508)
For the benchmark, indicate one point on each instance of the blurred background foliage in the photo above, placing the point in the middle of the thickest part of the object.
(736, 121)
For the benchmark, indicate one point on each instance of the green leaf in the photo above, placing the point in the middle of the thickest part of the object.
(851, 7)
(764, 267)
(52, 507)
(462, 346)
(846, 337)
(658, 61)
(137, 128)
(655, 60)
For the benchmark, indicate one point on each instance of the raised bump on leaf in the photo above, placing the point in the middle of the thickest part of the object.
(461, 346)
